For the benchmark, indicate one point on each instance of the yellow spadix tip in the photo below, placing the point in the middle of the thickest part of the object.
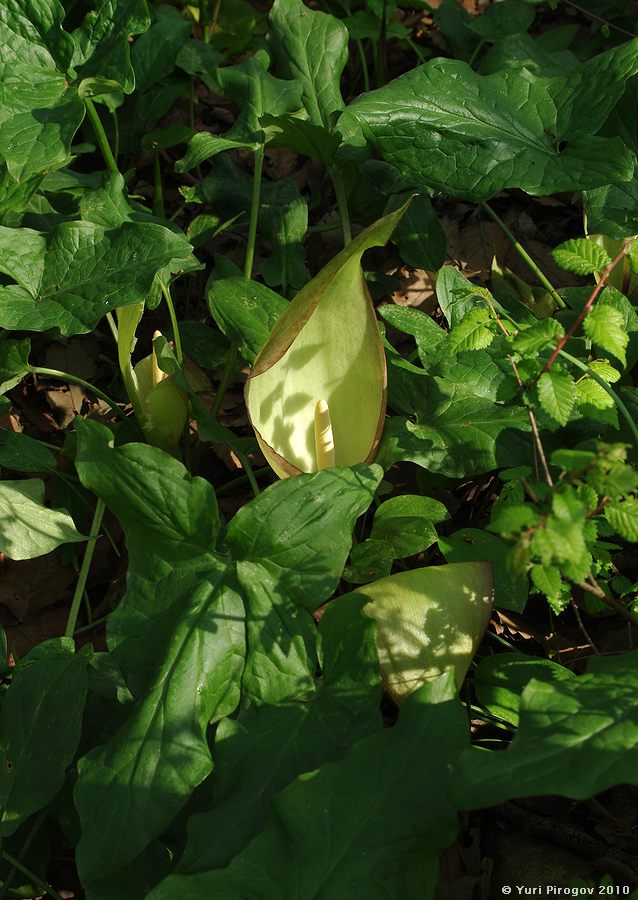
(324, 440)
(157, 374)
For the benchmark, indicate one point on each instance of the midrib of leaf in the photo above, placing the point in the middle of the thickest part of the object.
(524, 137)
(159, 705)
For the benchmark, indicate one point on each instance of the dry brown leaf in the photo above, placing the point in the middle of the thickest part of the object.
(27, 586)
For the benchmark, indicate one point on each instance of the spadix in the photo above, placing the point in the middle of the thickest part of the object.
(163, 405)
(323, 368)
(429, 621)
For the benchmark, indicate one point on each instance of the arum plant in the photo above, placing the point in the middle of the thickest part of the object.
(160, 406)
(429, 621)
(316, 395)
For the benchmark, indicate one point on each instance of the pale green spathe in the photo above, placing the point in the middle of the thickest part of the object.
(325, 346)
(429, 621)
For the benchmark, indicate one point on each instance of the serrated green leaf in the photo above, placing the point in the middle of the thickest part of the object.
(473, 332)
(547, 580)
(538, 336)
(557, 394)
(513, 518)
(457, 295)
(590, 392)
(603, 368)
(581, 256)
(623, 517)
(471, 136)
(604, 326)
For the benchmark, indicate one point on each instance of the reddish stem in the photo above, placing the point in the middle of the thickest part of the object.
(590, 302)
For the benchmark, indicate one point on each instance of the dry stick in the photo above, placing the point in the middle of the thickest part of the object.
(592, 15)
(535, 432)
(581, 625)
(590, 302)
(592, 587)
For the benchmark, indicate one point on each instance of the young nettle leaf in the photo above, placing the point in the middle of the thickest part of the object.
(582, 256)
(429, 621)
(557, 394)
(605, 327)
(325, 348)
(547, 580)
(474, 332)
(623, 517)
(538, 336)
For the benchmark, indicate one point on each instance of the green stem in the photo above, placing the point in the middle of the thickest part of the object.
(17, 865)
(612, 393)
(75, 379)
(84, 569)
(230, 486)
(231, 358)
(111, 323)
(522, 252)
(158, 193)
(100, 136)
(250, 475)
(364, 66)
(37, 881)
(116, 135)
(166, 291)
(476, 52)
(342, 203)
(94, 624)
(254, 213)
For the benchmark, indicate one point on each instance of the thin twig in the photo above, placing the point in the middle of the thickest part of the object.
(535, 432)
(592, 587)
(581, 625)
(592, 15)
(581, 315)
